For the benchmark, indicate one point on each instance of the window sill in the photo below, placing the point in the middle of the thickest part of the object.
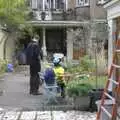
(78, 6)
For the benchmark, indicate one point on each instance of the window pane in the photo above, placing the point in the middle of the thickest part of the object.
(86, 2)
(39, 4)
(34, 4)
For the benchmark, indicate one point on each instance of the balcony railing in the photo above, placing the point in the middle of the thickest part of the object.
(45, 5)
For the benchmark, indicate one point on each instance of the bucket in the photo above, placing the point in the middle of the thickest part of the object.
(108, 107)
(9, 67)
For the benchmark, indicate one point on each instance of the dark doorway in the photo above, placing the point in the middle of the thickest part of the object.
(56, 41)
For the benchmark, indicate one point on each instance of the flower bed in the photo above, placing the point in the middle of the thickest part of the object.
(84, 80)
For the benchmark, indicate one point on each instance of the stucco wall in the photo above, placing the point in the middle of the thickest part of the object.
(97, 11)
(71, 4)
(89, 12)
(83, 13)
(113, 11)
(10, 47)
(2, 39)
(6, 47)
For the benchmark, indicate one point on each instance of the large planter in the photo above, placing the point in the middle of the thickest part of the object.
(95, 95)
(108, 107)
(81, 103)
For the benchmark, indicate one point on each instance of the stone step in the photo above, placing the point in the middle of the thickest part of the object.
(47, 115)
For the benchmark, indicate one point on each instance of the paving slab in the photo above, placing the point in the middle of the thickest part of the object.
(1, 115)
(15, 87)
(47, 115)
(11, 116)
(44, 115)
(28, 115)
(20, 105)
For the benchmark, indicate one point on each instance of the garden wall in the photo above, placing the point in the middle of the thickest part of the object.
(7, 45)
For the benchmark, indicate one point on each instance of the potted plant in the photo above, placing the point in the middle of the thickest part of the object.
(79, 94)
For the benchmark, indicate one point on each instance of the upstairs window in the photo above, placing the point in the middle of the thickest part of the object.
(48, 4)
(34, 4)
(82, 3)
(102, 2)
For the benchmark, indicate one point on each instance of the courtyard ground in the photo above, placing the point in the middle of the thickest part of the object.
(17, 104)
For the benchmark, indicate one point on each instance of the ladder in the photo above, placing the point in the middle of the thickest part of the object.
(111, 115)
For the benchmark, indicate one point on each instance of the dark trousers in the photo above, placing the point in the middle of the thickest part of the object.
(34, 77)
(61, 85)
(34, 83)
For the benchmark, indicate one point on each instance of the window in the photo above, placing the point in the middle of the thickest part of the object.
(102, 1)
(86, 3)
(82, 3)
(34, 4)
(48, 4)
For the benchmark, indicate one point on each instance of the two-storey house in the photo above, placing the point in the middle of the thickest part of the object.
(60, 20)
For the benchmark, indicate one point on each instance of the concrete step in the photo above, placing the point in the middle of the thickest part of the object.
(47, 115)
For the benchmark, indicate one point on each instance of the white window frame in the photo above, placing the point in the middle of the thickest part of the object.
(79, 3)
(101, 2)
(82, 3)
(47, 5)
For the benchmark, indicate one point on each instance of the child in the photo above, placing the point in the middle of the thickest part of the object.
(59, 74)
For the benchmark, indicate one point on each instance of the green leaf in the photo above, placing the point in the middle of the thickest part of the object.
(12, 12)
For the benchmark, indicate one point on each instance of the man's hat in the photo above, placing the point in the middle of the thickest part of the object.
(35, 38)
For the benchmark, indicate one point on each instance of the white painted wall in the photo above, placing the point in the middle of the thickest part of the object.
(69, 44)
(111, 39)
(2, 39)
(113, 11)
(10, 47)
(111, 42)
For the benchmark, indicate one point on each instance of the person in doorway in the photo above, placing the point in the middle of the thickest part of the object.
(34, 54)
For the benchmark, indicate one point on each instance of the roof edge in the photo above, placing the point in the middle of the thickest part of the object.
(107, 5)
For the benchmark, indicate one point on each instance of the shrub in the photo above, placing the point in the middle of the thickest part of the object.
(78, 89)
(87, 64)
(99, 83)
(3, 65)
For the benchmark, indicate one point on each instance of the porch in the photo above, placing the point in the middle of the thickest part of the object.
(57, 37)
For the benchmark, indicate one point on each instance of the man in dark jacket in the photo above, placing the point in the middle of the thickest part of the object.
(33, 58)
